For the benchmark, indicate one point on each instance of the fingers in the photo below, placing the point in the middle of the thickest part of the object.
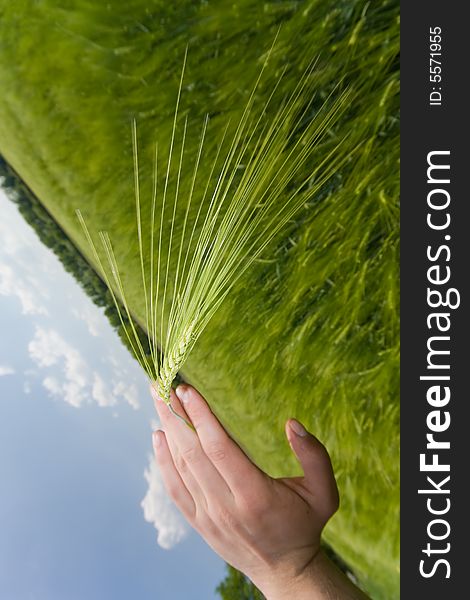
(185, 474)
(225, 455)
(318, 484)
(174, 485)
(196, 470)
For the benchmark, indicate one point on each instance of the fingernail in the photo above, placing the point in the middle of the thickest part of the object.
(156, 439)
(182, 393)
(297, 428)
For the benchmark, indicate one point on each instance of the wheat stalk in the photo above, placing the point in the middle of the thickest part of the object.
(246, 200)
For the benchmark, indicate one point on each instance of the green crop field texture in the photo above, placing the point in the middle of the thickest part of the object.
(312, 329)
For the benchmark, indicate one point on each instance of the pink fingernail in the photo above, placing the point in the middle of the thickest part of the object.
(182, 393)
(297, 428)
(156, 439)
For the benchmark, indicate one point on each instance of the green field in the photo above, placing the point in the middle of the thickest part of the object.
(312, 330)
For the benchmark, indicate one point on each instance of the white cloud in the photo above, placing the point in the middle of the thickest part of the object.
(25, 287)
(73, 379)
(160, 511)
(52, 385)
(101, 371)
(20, 262)
(6, 370)
(14, 238)
(48, 348)
(101, 393)
(129, 392)
(91, 316)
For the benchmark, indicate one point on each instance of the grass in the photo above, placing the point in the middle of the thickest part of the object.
(311, 330)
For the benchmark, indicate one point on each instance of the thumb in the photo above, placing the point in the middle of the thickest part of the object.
(318, 485)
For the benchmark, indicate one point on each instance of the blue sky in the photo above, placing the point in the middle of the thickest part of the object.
(83, 512)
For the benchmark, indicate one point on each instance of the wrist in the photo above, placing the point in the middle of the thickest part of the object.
(319, 579)
(289, 581)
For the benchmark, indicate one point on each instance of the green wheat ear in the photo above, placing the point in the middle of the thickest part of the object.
(172, 363)
(256, 184)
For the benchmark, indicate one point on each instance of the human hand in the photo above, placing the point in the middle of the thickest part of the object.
(267, 528)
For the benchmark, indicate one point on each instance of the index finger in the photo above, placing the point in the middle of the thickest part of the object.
(227, 457)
